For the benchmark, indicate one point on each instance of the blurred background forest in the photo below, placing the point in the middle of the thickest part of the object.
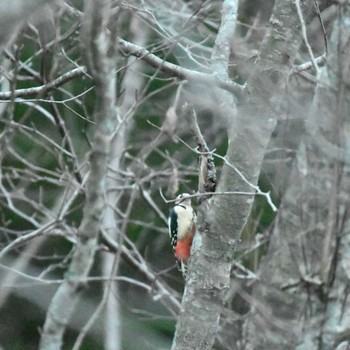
(48, 108)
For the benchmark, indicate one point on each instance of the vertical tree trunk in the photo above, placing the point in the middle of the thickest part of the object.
(131, 85)
(101, 66)
(222, 220)
(301, 297)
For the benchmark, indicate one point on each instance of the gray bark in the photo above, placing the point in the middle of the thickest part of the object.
(96, 41)
(301, 298)
(132, 85)
(222, 220)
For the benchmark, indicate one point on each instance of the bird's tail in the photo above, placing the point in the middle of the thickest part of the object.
(182, 266)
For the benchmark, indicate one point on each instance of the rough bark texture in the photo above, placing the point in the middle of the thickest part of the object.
(198, 321)
(301, 298)
(222, 220)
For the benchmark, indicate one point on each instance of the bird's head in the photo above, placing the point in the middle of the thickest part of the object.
(183, 198)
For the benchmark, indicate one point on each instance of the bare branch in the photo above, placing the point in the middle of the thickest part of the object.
(96, 41)
(63, 79)
(177, 71)
(304, 33)
(320, 61)
(161, 292)
(222, 48)
(207, 171)
(22, 239)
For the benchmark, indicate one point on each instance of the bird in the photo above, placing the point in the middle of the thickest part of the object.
(182, 227)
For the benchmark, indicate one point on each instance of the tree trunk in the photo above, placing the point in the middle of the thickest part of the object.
(222, 219)
(301, 297)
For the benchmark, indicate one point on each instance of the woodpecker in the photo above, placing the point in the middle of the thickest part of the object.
(182, 227)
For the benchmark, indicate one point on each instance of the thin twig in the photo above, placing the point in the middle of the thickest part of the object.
(160, 291)
(322, 25)
(320, 60)
(304, 33)
(227, 193)
(66, 77)
(100, 307)
(22, 239)
(255, 187)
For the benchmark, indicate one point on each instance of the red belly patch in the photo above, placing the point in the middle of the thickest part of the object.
(183, 248)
